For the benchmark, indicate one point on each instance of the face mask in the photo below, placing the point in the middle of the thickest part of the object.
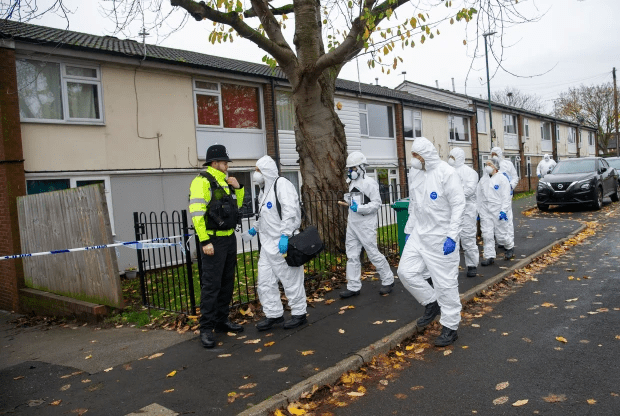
(489, 170)
(415, 163)
(451, 162)
(353, 175)
(259, 178)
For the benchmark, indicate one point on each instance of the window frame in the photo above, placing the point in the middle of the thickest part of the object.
(391, 120)
(415, 115)
(467, 129)
(513, 119)
(571, 134)
(64, 79)
(557, 133)
(293, 121)
(198, 91)
(526, 128)
(484, 124)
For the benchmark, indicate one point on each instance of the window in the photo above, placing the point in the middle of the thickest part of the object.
(481, 115)
(285, 110)
(58, 92)
(245, 179)
(376, 120)
(557, 133)
(231, 106)
(413, 123)
(571, 135)
(516, 162)
(510, 123)
(38, 186)
(591, 138)
(526, 128)
(459, 128)
(545, 131)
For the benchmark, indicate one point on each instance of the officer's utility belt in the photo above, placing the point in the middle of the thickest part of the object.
(220, 233)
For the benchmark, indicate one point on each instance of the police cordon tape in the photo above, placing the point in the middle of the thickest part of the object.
(139, 245)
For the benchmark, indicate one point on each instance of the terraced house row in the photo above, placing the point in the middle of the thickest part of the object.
(97, 109)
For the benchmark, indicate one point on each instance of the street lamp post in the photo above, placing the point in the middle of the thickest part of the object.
(486, 55)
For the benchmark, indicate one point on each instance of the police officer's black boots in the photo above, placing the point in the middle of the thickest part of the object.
(447, 337)
(228, 327)
(432, 310)
(348, 293)
(472, 271)
(487, 262)
(510, 253)
(296, 320)
(268, 323)
(385, 289)
(207, 339)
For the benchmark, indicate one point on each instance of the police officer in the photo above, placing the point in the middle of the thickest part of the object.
(214, 207)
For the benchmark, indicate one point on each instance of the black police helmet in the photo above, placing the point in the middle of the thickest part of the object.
(216, 152)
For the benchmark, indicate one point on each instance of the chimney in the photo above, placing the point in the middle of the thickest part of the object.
(453, 89)
(436, 83)
(376, 81)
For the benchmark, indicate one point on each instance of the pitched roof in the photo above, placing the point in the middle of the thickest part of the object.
(43, 35)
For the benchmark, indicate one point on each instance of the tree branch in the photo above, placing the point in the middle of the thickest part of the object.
(200, 11)
(278, 11)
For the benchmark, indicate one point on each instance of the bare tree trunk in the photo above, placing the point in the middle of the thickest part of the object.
(322, 147)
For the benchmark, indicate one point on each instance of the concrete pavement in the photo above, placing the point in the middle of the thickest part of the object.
(228, 379)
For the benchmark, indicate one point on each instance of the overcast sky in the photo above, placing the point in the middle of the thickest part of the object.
(574, 42)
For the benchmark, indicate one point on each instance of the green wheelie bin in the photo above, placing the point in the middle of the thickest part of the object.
(402, 215)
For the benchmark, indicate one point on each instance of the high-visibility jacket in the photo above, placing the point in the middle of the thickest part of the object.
(199, 198)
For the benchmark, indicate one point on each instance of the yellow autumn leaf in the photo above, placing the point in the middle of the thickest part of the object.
(269, 344)
(361, 389)
(561, 339)
(520, 402)
(547, 305)
(55, 402)
(88, 357)
(172, 374)
(252, 341)
(399, 353)
(419, 351)
(591, 401)
(278, 413)
(248, 386)
(410, 347)
(330, 301)
(283, 369)
(168, 391)
(341, 331)
(295, 410)
(447, 352)
(310, 352)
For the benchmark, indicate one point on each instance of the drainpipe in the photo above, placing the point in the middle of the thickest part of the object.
(275, 126)
(402, 129)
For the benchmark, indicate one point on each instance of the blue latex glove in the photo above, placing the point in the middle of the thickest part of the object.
(503, 216)
(448, 246)
(539, 176)
(478, 219)
(406, 237)
(283, 244)
(354, 206)
(252, 231)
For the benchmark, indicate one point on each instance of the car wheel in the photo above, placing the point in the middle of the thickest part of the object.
(615, 197)
(598, 203)
(543, 207)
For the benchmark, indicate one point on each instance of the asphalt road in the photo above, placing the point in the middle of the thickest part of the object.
(515, 342)
(204, 379)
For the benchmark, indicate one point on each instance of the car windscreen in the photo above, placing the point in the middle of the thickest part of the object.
(614, 163)
(575, 166)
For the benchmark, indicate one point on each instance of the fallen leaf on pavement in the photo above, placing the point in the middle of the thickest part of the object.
(20, 377)
(554, 398)
(383, 382)
(75, 373)
(447, 352)
(252, 341)
(571, 300)
(419, 351)
(79, 412)
(330, 301)
(355, 394)
(512, 360)
(107, 370)
(377, 322)
(504, 334)
(242, 337)
(171, 374)
(347, 307)
(294, 409)
(258, 350)
(500, 400)
(520, 403)
(278, 413)
(390, 321)
(310, 352)
(464, 347)
(526, 339)
(65, 387)
(547, 305)
(571, 277)
(399, 353)
(502, 386)
(159, 354)
(475, 326)
(55, 402)
(231, 334)
(168, 391)
(283, 369)
(224, 355)
(617, 337)
(561, 339)
(269, 344)
(86, 381)
(88, 357)
(400, 396)
(414, 388)
(591, 401)
(341, 331)
(248, 386)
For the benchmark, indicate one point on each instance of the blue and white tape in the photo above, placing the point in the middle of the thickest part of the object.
(139, 245)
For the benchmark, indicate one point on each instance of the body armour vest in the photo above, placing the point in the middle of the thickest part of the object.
(223, 213)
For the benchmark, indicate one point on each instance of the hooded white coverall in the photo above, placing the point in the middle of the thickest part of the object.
(545, 165)
(436, 205)
(469, 180)
(493, 198)
(270, 227)
(507, 168)
(362, 232)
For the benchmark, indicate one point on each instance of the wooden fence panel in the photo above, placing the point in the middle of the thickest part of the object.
(70, 218)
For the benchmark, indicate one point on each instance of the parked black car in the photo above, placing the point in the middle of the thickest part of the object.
(578, 181)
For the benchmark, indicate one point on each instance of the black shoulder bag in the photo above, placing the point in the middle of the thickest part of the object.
(303, 246)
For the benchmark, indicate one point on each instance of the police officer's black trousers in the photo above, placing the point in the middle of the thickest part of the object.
(217, 281)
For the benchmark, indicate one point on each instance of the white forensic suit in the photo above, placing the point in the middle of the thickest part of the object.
(270, 227)
(436, 206)
(494, 197)
(362, 232)
(507, 168)
(545, 166)
(469, 180)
